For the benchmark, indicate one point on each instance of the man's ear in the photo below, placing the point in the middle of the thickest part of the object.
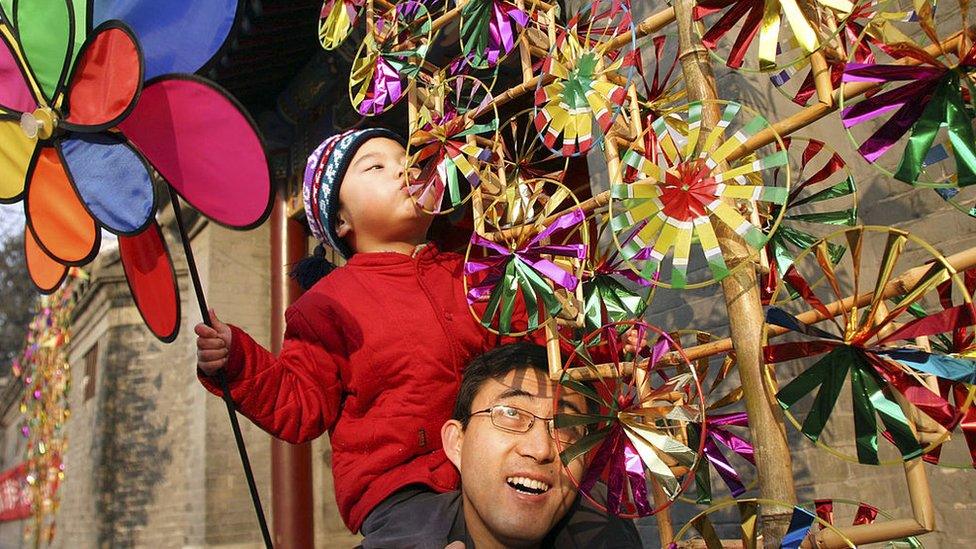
(342, 224)
(452, 437)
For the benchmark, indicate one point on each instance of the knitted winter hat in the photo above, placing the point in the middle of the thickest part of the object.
(324, 172)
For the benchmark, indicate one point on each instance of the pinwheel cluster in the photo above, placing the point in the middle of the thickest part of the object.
(695, 190)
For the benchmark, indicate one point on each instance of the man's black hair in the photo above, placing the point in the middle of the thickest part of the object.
(495, 364)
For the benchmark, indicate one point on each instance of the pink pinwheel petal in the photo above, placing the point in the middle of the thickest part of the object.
(15, 95)
(205, 146)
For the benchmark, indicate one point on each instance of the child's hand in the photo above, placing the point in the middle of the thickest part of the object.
(213, 345)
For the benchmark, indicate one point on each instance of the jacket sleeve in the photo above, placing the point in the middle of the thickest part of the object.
(294, 396)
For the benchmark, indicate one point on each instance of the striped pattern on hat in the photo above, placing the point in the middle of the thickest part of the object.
(324, 171)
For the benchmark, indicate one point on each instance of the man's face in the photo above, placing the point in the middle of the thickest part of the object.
(513, 484)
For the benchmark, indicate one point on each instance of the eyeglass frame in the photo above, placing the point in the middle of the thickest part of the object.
(550, 422)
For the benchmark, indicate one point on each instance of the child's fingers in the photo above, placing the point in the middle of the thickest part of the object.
(211, 355)
(203, 330)
(207, 343)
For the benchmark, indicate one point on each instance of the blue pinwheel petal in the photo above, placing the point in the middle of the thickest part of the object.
(112, 180)
(177, 36)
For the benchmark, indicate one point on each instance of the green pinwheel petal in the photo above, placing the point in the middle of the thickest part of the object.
(476, 16)
(46, 30)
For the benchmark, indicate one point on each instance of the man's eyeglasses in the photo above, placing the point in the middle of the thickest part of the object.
(517, 420)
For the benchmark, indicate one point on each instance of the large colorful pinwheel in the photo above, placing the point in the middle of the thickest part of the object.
(928, 138)
(590, 65)
(822, 198)
(81, 130)
(869, 344)
(634, 430)
(685, 188)
(529, 258)
(764, 17)
(450, 151)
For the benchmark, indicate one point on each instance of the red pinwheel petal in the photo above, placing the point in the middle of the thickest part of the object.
(205, 146)
(46, 273)
(107, 79)
(55, 214)
(152, 281)
(15, 94)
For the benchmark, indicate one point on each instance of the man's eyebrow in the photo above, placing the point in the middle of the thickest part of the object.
(516, 392)
(572, 407)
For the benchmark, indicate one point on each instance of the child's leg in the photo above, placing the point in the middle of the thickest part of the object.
(413, 517)
(586, 526)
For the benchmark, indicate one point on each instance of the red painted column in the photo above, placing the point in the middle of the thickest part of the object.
(292, 504)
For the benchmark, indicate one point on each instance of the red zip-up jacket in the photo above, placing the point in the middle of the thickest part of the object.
(373, 353)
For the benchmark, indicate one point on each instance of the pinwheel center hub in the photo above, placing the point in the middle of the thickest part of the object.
(39, 124)
(687, 190)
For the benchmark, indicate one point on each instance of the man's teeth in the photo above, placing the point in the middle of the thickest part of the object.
(528, 485)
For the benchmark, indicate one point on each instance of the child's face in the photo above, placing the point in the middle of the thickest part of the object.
(374, 203)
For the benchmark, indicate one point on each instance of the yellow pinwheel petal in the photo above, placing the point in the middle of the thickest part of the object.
(15, 154)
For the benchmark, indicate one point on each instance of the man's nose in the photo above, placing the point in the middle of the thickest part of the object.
(537, 444)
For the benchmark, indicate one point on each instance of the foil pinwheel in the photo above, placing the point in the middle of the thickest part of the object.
(923, 99)
(871, 26)
(683, 191)
(587, 84)
(528, 271)
(960, 341)
(612, 292)
(390, 57)
(633, 427)
(868, 350)
(450, 151)
(87, 112)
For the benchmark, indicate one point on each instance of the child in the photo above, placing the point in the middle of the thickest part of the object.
(373, 352)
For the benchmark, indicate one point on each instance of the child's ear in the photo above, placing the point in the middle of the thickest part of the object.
(342, 225)
(452, 437)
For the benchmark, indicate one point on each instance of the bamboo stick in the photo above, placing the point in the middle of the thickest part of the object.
(768, 433)
(923, 520)
(821, 78)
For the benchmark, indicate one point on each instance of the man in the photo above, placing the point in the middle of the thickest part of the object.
(514, 491)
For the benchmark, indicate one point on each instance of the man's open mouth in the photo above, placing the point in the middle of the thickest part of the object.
(528, 485)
